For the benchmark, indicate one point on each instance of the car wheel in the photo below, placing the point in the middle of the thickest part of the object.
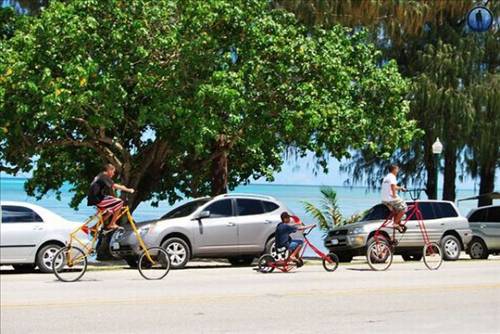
(271, 249)
(178, 250)
(45, 257)
(411, 257)
(451, 248)
(241, 261)
(24, 268)
(478, 249)
(131, 261)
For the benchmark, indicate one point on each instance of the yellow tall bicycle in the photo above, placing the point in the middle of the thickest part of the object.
(70, 263)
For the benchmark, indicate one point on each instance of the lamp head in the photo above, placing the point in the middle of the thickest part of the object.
(437, 147)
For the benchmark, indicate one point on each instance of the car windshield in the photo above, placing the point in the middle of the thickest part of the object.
(185, 209)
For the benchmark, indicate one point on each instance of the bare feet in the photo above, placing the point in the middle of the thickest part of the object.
(400, 228)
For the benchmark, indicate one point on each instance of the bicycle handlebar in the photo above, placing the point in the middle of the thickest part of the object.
(308, 230)
(415, 193)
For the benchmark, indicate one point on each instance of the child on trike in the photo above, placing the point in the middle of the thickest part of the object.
(291, 251)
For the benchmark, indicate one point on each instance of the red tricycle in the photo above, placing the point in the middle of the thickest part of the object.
(267, 263)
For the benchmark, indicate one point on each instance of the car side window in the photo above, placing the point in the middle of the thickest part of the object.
(247, 207)
(220, 209)
(19, 214)
(493, 215)
(270, 206)
(444, 210)
(478, 216)
(426, 208)
(378, 212)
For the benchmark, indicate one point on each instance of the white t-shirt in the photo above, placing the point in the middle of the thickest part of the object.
(389, 180)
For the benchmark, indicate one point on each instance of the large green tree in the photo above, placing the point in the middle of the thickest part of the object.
(187, 97)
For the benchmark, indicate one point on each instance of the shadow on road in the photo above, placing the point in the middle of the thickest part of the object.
(359, 269)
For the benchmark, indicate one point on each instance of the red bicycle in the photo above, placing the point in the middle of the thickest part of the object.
(267, 263)
(380, 253)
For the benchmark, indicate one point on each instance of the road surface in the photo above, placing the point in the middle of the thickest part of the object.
(460, 297)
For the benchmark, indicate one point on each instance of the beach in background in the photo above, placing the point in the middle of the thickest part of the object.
(350, 200)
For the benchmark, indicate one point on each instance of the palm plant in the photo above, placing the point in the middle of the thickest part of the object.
(328, 214)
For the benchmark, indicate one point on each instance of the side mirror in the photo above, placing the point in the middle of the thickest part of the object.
(203, 214)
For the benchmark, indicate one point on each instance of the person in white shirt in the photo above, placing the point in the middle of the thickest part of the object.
(390, 197)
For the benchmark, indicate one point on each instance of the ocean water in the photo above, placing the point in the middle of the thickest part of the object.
(350, 200)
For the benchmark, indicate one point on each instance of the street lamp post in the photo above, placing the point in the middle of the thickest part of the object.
(437, 148)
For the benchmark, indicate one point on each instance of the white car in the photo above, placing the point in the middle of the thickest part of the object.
(31, 235)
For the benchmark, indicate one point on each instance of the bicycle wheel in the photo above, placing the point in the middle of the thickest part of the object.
(266, 263)
(69, 264)
(379, 256)
(433, 256)
(158, 268)
(331, 262)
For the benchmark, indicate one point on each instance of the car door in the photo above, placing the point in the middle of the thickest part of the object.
(491, 227)
(446, 219)
(254, 224)
(22, 230)
(218, 233)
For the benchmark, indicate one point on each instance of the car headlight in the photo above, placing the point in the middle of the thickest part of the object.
(145, 230)
(356, 230)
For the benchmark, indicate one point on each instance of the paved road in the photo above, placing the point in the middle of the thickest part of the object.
(461, 297)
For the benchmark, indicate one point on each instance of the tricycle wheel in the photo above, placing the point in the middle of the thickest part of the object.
(433, 256)
(331, 262)
(154, 263)
(266, 264)
(69, 264)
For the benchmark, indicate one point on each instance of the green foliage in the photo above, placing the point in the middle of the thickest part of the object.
(328, 214)
(180, 95)
(8, 20)
(449, 68)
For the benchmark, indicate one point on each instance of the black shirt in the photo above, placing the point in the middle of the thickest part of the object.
(283, 232)
(101, 186)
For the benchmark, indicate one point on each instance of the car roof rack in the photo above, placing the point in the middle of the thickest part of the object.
(245, 195)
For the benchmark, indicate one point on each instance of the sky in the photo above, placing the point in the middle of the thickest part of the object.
(300, 172)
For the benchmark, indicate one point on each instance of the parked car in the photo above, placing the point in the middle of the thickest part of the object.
(485, 225)
(31, 235)
(238, 227)
(443, 221)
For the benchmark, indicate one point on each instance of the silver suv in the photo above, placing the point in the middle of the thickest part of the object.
(238, 227)
(485, 225)
(441, 218)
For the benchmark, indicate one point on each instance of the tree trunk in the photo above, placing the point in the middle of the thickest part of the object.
(487, 183)
(220, 167)
(430, 167)
(450, 172)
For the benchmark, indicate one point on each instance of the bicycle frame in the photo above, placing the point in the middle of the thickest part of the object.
(125, 211)
(412, 211)
(285, 265)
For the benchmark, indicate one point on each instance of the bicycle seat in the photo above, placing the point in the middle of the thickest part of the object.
(102, 211)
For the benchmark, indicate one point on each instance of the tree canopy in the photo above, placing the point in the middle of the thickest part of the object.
(449, 68)
(187, 97)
